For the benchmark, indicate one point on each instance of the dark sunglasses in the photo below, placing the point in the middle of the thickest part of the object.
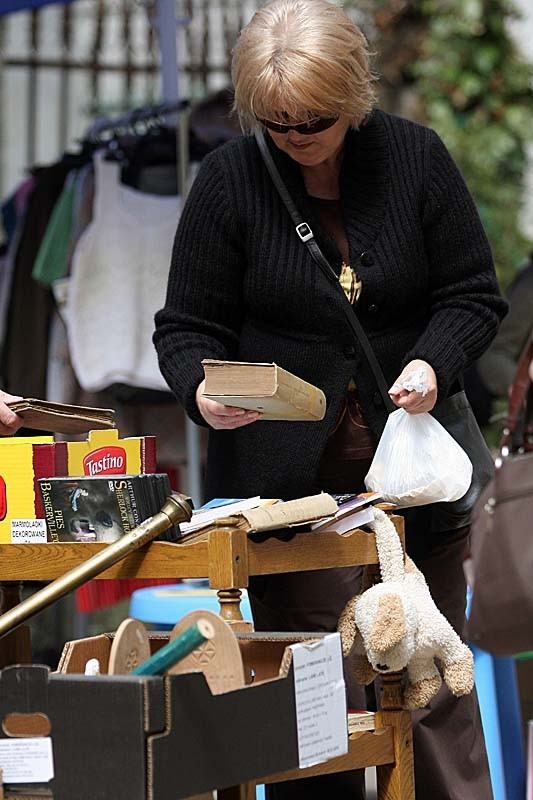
(316, 125)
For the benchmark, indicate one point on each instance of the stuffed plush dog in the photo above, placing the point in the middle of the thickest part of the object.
(395, 624)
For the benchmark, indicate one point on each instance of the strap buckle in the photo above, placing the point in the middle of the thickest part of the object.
(304, 231)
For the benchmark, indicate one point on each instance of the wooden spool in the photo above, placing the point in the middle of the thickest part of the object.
(130, 647)
(219, 659)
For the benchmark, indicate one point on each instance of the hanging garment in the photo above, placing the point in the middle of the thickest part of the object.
(13, 217)
(118, 281)
(82, 208)
(25, 354)
(51, 261)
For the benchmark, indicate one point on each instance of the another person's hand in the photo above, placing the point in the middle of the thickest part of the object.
(221, 417)
(9, 421)
(414, 402)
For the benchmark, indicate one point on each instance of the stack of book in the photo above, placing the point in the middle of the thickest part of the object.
(322, 512)
(218, 508)
(259, 514)
(354, 510)
(361, 721)
(101, 509)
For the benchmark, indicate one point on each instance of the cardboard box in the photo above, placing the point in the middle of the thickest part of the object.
(158, 738)
(103, 453)
(23, 460)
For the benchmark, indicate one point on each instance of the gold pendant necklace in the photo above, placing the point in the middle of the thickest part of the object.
(351, 283)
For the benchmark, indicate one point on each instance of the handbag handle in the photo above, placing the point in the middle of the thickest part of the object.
(520, 395)
(303, 229)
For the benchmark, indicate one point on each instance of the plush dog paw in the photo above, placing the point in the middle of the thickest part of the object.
(418, 695)
(459, 677)
(346, 626)
(363, 670)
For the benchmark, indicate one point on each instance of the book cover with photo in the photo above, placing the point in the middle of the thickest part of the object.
(100, 509)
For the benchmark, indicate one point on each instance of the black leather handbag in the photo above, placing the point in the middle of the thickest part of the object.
(501, 612)
(454, 412)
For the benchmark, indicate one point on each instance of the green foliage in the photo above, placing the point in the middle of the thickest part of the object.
(476, 91)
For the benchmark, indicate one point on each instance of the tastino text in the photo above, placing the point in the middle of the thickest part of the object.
(105, 461)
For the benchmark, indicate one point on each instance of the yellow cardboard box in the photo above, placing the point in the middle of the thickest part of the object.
(23, 460)
(103, 453)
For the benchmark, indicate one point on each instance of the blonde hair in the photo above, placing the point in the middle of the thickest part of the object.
(299, 59)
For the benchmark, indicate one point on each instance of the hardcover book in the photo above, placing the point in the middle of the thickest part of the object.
(61, 418)
(264, 387)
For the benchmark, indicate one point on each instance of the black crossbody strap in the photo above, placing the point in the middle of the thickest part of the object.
(303, 229)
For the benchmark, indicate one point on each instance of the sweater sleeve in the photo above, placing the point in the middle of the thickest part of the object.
(201, 316)
(465, 303)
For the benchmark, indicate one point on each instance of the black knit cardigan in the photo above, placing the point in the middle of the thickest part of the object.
(243, 286)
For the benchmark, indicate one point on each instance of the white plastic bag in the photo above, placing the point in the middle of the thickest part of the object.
(418, 462)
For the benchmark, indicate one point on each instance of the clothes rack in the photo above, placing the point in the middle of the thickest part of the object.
(104, 128)
(131, 118)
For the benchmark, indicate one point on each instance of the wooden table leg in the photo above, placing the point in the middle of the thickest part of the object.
(15, 647)
(396, 781)
(230, 604)
(228, 572)
(230, 610)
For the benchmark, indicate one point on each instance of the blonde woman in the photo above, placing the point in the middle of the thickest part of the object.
(391, 212)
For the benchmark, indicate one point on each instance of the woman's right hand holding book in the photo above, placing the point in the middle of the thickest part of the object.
(221, 417)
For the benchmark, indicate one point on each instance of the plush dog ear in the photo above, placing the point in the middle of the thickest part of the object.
(346, 625)
(389, 626)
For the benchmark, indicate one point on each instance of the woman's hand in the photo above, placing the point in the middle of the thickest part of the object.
(9, 421)
(221, 417)
(415, 402)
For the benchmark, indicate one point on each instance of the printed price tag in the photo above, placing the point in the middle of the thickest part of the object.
(320, 700)
(28, 531)
(27, 760)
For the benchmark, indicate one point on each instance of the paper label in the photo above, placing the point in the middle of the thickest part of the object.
(320, 700)
(28, 531)
(27, 760)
